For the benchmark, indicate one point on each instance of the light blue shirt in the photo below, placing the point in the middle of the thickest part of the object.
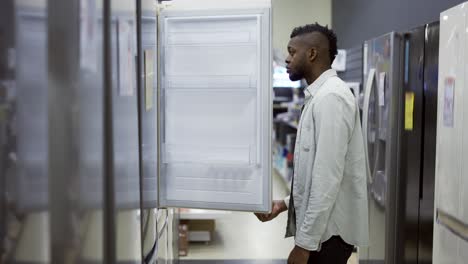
(330, 183)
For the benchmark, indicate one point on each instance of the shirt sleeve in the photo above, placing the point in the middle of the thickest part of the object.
(333, 127)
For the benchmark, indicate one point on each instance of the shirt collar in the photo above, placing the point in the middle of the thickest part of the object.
(312, 89)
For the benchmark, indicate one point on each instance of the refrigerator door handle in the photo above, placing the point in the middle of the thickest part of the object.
(453, 224)
(365, 118)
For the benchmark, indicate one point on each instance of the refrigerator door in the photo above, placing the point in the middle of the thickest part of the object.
(417, 154)
(452, 143)
(148, 104)
(215, 102)
(427, 185)
(147, 50)
(382, 55)
(31, 107)
(76, 133)
(125, 129)
(450, 119)
(411, 147)
(125, 107)
(463, 216)
(446, 246)
(24, 181)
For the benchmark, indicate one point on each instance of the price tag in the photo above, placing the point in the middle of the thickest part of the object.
(409, 111)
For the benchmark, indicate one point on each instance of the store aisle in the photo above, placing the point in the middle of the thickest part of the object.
(241, 238)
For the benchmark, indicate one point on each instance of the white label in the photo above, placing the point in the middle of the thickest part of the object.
(364, 68)
(126, 59)
(88, 36)
(381, 88)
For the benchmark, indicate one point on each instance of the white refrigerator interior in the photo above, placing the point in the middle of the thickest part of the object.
(215, 120)
(451, 229)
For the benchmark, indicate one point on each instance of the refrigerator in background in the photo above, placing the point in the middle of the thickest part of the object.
(415, 183)
(451, 199)
(399, 121)
(382, 91)
(24, 186)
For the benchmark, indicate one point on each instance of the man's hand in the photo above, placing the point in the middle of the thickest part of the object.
(298, 256)
(277, 208)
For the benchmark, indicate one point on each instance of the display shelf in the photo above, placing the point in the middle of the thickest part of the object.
(200, 223)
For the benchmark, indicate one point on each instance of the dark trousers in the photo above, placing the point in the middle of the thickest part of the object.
(333, 251)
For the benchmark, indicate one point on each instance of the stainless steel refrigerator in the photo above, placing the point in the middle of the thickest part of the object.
(399, 120)
(381, 104)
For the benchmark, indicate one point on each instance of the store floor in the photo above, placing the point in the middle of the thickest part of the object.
(241, 238)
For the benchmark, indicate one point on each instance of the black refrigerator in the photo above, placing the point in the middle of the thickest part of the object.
(418, 127)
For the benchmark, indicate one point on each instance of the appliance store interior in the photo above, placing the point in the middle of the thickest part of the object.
(164, 132)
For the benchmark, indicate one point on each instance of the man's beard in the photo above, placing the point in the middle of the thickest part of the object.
(295, 77)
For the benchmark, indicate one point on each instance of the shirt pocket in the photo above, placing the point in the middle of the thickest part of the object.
(306, 144)
(306, 157)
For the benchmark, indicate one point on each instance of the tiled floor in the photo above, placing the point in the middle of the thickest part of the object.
(241, 237)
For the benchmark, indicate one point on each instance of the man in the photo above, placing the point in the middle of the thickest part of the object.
(328, 212)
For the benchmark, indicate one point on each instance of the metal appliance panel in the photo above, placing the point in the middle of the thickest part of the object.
(90, 120)
(76, 131)
(147, 52)
(463, 216)
(89, 129)
(417, 154)
(125, 105)
(148, 105)
(426, 206)
(381, 124)
(125, 129)
(7, 26)
(411, 147)
(24, 200)
(31, 107)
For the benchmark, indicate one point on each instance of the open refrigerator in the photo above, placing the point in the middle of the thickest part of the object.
(114, 113)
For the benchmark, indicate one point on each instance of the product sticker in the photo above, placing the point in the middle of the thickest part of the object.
(382, 77)
(409, 111)
(449, 94)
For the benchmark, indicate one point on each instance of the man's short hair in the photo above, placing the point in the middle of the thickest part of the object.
(328, 33)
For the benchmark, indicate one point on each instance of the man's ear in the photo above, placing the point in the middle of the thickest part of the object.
(312, 54)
